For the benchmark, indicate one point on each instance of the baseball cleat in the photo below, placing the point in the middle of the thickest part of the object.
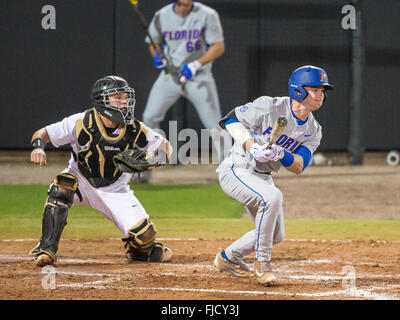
(263, 272)
(238, 270)
(159, 253)
(167, 255)
(44, 260)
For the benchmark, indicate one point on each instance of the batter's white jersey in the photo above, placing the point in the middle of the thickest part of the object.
(186, 37)
(259, 117)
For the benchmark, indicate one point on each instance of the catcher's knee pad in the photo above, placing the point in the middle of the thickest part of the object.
(141, 240)
(60, 199)
(62, 190)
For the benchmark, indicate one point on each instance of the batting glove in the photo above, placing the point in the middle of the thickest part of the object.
(189, 71)
(159, 63)
(265, 154)
(274, 153)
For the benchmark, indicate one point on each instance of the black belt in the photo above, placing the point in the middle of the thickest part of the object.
(262, 172)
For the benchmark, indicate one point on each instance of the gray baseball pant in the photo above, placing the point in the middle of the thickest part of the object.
(263, 201)
(201, 92)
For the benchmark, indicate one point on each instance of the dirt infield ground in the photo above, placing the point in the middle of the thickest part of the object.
(97, 269)
(305, 270)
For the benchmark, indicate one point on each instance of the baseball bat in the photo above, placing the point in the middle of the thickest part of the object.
(145, 27)
(277, 130)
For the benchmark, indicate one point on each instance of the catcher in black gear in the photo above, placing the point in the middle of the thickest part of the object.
(108, 146)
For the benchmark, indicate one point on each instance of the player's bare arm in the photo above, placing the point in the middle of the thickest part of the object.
(214, 52)
(152, 51)
(248, 143)
(166, 147)
(297, 165)
(189, 70)
(38, 155)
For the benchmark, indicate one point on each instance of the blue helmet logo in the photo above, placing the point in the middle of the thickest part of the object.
(307, 76)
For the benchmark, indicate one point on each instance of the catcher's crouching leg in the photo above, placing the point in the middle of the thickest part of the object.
(60, 198)
(141, 245)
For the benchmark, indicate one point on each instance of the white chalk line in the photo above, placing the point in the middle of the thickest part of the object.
(89, 284)
(113, 278)
(11, 258)
(114, 239)
(198, 239)
(87, 274)
(99, 284)
(279, 270)
(354, 292)
(358, 293)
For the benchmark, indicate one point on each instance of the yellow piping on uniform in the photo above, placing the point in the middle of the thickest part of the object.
(69, 176)
(90, 121)
(138, 134)
(103, 132)
(101, 160)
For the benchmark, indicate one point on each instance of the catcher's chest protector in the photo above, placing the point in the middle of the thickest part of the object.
(95, 157)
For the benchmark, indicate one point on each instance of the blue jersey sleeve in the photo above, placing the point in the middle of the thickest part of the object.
(229, 118)
(305, 153)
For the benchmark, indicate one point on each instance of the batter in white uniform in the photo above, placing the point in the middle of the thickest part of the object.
(189, 35)
(246, 173)
(91, 178)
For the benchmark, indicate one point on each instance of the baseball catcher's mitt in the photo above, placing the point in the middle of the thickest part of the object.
(135, 160)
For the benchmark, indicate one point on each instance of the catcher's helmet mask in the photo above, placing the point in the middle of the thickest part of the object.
(101, 92)
(307, 76)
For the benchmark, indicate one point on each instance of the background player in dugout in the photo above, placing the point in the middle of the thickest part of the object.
(245, 174)
(189, 37)
(91, 178)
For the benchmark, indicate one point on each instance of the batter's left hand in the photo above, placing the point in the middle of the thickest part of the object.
(159, 63)
(189, 71)
(274, 153)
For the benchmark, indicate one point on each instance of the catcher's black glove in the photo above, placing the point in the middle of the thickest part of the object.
(135, 160)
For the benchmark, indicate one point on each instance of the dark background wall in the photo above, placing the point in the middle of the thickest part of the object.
(47, 74)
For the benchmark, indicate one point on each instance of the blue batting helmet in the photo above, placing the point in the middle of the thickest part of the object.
(307, 76)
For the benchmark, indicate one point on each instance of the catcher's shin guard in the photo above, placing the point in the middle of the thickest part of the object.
(140, 241)
(141, 245)
(60, 199)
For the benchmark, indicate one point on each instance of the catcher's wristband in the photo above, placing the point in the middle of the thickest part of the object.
(38, 143)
